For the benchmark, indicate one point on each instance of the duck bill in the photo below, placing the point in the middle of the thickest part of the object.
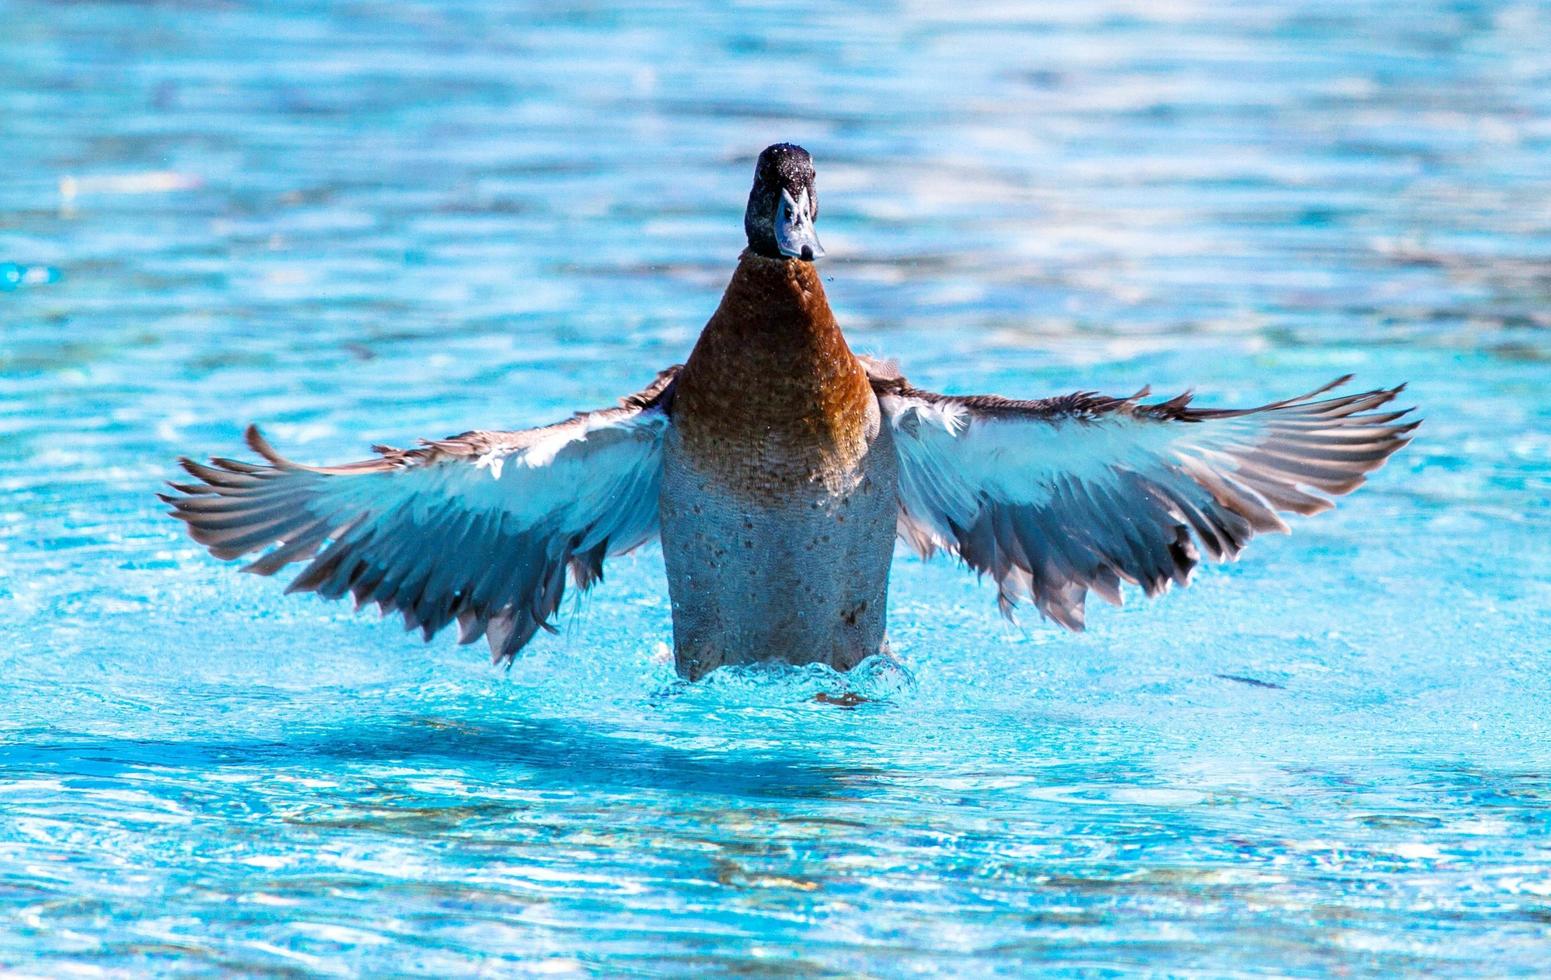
(794, 232)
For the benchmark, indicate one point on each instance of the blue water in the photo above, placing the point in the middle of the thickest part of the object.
(370, 222)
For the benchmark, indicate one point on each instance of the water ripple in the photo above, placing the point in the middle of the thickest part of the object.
(376, 222)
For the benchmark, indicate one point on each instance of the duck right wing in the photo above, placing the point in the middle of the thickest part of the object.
(480, 527)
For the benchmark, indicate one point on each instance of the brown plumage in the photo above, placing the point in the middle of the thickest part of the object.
(778, 501)
(772, 396)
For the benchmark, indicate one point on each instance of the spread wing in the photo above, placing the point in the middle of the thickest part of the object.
(480, 527)
(1062, 495)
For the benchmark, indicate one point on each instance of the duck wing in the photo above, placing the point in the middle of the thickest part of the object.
(479, 527)
(1054, 497)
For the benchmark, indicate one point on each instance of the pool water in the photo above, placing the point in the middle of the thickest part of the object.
(370, 222)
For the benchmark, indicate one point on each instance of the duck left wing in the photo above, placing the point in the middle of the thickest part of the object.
(479, 527)
(1058, 496)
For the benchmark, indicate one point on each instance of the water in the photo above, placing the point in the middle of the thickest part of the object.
(371, 222)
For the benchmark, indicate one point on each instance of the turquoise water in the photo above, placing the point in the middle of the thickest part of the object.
(370, 222)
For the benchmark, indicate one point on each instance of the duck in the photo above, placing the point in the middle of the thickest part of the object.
(777, 468)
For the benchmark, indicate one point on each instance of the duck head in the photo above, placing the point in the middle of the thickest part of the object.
(783, 205)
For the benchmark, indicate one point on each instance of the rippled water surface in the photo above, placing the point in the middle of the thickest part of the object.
(368, 222)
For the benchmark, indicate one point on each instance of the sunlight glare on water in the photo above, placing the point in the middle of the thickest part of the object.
(372, 222)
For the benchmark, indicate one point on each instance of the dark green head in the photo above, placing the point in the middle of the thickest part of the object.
(783, 205)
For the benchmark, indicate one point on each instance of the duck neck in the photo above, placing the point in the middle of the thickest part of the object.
(774, 322)
(772, 364)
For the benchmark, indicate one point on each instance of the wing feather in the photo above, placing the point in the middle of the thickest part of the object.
(479, 528)
(1056, 497)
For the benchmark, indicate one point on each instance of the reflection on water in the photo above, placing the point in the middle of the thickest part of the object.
(374, 222)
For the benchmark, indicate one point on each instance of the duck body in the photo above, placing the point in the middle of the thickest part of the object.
(779, 488)
(777, 467)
